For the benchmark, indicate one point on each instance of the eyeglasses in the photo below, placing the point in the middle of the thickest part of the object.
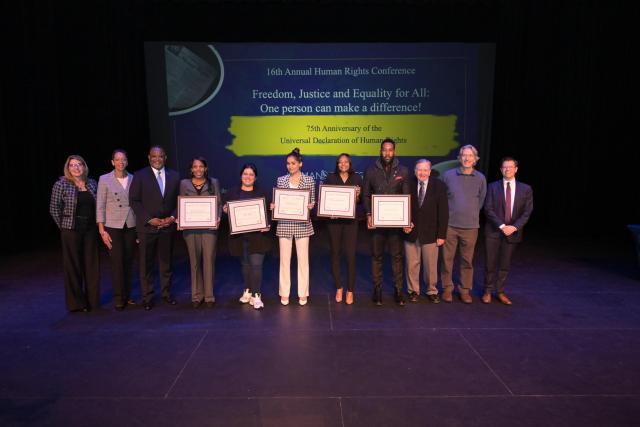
(506, 168)
(75, 165)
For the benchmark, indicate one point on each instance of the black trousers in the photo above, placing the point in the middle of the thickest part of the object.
(251, 268)
(160, 246)
(121, 254)
(343, 239)
(81, 268)
(391, 237)
(498, 260)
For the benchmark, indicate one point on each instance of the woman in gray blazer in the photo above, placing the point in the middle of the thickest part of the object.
(117, 226)
(201, 243)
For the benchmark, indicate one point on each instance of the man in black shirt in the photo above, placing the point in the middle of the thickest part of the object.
(385, 176)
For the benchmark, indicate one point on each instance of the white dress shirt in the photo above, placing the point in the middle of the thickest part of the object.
(512, 186)
(164, 178)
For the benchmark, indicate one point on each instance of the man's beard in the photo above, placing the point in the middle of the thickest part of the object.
(385, 161)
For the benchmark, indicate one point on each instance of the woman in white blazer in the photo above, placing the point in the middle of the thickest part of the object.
(288, 231)
(117, 226)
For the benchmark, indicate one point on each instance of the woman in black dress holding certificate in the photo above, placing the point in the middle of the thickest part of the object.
(343, 232)
(250, 247)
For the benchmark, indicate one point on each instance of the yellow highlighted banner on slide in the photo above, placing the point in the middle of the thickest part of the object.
(414, 134)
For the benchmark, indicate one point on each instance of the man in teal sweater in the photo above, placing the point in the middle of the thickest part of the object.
(466, 190)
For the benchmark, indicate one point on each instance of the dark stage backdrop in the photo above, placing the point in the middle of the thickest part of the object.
(564, 99)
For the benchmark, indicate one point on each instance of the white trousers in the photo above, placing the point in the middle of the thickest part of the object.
(302, 253)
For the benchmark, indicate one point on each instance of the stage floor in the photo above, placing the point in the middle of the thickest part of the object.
(567, 353)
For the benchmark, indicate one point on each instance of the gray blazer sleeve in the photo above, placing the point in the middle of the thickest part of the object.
(101, 201)
(216, 192)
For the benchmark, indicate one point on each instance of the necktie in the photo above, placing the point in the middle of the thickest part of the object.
(507, 205)
(161, 183)
(421, 193)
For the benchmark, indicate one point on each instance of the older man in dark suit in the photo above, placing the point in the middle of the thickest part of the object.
(507, 207)
(428, 231)
(153, 196)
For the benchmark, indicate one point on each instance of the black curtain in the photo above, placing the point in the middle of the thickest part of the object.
(565, 90)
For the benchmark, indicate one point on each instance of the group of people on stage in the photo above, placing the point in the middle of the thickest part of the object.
(141, 207)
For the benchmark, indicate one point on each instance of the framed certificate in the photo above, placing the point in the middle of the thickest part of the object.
(197, 212)
(247, 215)
(291, 204)
(338, 201)
(391, 210)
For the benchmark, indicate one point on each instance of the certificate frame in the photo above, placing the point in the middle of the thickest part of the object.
(391, 210)
(325, 195)
(235, 207)
(300, 198)
(200, 219)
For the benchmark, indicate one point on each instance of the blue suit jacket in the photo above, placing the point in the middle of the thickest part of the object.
(147, 201)
(494, 206)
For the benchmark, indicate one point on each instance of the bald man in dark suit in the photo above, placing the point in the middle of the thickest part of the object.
(153, 196)
(507, 207)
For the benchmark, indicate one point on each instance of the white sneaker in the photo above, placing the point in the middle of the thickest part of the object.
(246, 296)
(256, 301)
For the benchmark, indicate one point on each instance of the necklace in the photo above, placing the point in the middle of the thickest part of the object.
(198, 187)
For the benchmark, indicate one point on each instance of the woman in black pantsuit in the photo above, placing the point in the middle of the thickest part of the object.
(343, 233)
(73, 208)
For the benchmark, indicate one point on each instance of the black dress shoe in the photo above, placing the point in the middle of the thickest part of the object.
(399, 297)
(434, 299)
(377, 296)
(148, 306)
(119, 307)
(131, 302)
(413, 296)
(169, 300)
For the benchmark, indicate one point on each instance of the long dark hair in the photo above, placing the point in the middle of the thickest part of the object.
(251, 166)
(204, 162)
(350, 171)
(206, 171)
(254, 168)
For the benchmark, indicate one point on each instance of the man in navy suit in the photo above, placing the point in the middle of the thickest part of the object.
(507, 207)
(153, 196)
(428, 231)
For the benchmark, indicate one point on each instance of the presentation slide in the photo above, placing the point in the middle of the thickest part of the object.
(234, 103)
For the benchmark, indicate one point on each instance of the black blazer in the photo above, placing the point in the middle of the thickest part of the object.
(431, 220)
(335, 179)
(376, 181)
(353, 180)
(147, 202)
(494, 205)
